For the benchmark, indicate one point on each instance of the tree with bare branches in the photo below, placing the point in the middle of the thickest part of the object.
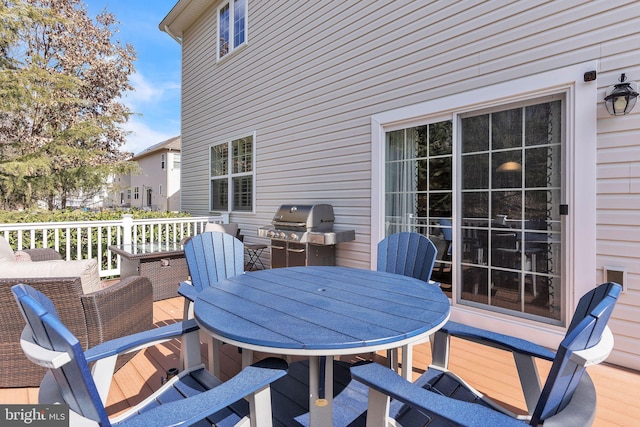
(61, 81)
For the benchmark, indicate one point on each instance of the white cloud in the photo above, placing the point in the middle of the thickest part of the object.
(142, 136)
(145, 91)
(156, 112)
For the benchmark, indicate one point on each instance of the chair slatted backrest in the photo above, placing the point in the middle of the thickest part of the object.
(74, 379)
(212, 256)
(407, 253)
(585, 331)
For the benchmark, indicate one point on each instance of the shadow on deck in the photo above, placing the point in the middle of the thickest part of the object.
(490, 370)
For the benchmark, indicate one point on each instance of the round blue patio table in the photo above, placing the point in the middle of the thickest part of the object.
(321, 312)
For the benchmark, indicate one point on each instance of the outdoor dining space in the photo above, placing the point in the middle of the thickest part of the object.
(310, 345)
(616, 405)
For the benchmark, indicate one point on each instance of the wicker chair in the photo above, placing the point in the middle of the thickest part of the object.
(121, 309)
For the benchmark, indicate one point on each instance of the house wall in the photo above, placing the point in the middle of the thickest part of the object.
(309, 84)
(172, 192)
(119, 184)
(152, 176)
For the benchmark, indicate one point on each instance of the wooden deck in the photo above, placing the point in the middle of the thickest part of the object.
(489, 370)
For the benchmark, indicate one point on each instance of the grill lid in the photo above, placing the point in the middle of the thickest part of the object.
(317, 218)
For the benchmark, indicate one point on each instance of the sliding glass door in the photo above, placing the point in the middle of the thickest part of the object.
(496, 219)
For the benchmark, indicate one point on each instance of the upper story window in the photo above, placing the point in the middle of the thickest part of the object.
(232, 26)
(177, 159)
(136, 193)
(232, 175)
(162, 161)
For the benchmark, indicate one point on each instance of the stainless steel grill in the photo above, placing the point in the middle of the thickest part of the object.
(303, 235)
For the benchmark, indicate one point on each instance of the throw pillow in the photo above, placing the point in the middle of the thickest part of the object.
(22, 256)
(6, 253)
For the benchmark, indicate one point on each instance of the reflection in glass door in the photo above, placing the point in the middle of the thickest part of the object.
(510, 209)
(507, 253)
(418, 188)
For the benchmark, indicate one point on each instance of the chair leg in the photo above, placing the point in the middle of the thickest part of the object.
(392, 359)
(378, 409)
(213, 353)
(190, 355)
(440, 349)
(407, 362)
(260, 407)
(247, 357)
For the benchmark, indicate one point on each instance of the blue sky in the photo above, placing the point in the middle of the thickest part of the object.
(156, 100)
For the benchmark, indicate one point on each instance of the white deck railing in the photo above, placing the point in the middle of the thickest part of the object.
(91, 239)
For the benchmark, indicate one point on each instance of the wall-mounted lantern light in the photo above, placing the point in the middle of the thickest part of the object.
(620, 98)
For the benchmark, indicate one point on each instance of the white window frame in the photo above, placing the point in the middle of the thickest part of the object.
(230, 175)
(232, 47)
(579, 226)
(162, 161)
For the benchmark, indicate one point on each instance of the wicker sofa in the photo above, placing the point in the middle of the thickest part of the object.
(117, 310)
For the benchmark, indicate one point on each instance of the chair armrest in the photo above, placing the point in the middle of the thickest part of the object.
(383, 381)
(249, 381)
(43, 254)
(500, 341)
(188, 291)
(119, 310)
(140, 340)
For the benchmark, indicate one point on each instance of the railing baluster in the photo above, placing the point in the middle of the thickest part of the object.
(67, 243)
(100, 244)
(78, 243)
(90, 242)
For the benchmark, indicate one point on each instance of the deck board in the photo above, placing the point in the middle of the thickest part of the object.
(489, 370)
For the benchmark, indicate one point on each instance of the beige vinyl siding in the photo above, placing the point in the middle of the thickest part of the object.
(618, 183)
(618, 220)
(313, 73)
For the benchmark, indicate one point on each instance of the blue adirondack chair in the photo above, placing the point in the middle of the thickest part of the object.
(410, 254)
(407, 253)
(211, 256)
(191, 396)
(439, 397)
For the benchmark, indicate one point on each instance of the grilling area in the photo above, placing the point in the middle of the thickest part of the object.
(303, 235)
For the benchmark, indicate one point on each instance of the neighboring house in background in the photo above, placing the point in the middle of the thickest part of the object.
(483, 118)
(157, 184)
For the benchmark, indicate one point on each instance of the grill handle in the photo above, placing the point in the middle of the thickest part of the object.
(298, 251)
(289, 224)
(277, 247)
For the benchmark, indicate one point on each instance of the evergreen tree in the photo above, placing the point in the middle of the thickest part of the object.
(61, 81)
